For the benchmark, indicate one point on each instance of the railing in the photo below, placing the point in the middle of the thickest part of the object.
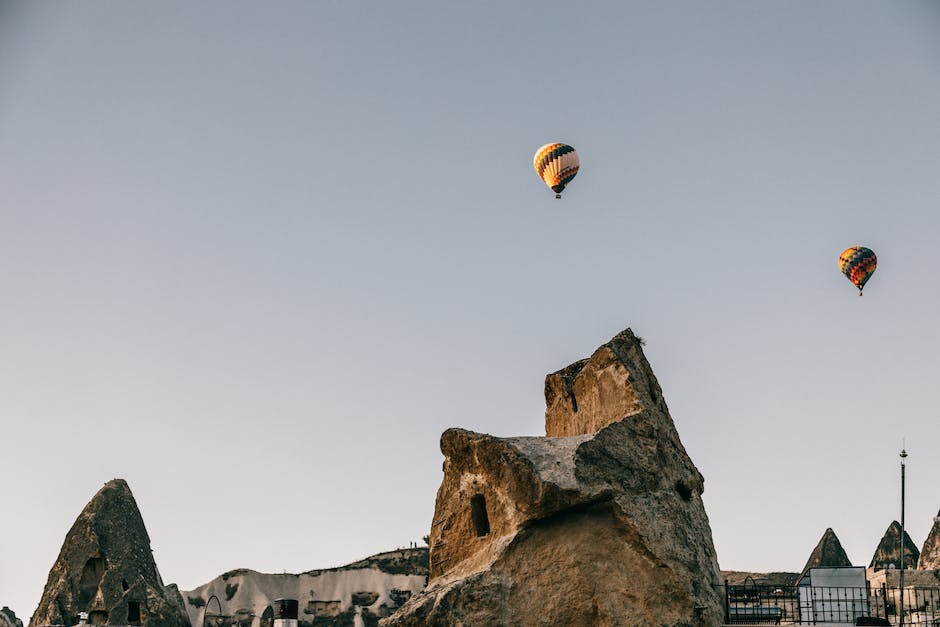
(817, 605)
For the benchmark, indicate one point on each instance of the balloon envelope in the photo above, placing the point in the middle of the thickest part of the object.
(556, 164)
(858, 264)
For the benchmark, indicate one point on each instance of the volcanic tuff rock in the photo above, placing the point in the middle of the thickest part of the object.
(361, 592)
(930, 554)
(888, 552)
(827, 554)
(601, 525)
(8, 618)
(106, 568)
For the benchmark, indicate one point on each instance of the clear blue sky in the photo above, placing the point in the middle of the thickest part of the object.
(255, 258)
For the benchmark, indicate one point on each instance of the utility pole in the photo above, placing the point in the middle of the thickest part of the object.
(901, 604)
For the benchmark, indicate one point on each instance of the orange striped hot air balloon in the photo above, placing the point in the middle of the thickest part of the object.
(556, 164)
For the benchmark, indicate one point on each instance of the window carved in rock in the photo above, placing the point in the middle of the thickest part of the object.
(481, 521)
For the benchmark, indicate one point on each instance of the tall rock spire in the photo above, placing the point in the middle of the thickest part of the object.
(827, 554)
(930, 554)
(888, 553)
(106, 568)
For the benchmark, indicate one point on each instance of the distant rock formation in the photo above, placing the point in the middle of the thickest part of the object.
(360, 593)
(8, 618)
(601, 523)
(106, 568)
(779, 579)
(888, 553)
(930, 554)
(827, 554)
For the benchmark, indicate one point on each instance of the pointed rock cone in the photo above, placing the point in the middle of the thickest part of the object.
(827, 554)
(106, 568)
(888, 553)
(930, 554)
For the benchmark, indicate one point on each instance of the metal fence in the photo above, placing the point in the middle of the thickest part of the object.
(816, 605)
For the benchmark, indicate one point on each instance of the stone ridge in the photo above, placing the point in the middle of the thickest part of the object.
(411, 561)
(363, 591)
(888, 551)
(106, 568)
(827, 554)
(780, 579)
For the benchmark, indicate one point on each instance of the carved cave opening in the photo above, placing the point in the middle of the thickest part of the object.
(684, 491)
(267, 617)
(92, 574)
(481, 522)
(133, 612)
(98, 617)
(243, 618)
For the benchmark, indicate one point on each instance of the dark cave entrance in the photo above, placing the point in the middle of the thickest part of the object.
(133, 612)
(481, 522)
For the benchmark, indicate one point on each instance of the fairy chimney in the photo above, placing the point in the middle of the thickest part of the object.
(106, 568)
(599, 522)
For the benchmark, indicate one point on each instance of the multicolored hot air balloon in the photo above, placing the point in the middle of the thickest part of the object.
(556, 164)
(858, 264)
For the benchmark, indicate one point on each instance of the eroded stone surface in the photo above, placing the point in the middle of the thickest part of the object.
(106, 568)
(616, 381)
(930, 554)
(601, 525)
(827, 554)
(888, 553)
(8, 618)
(358, 593)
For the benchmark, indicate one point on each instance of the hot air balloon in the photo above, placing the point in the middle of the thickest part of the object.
(858, 264)
(556, 164)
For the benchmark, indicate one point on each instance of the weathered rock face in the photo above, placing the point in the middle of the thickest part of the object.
(106, 568)
(8, 618)
(888, 553)
(930, 554)
(601, 525)
(827, 554)
(615, 382)
(360, 593)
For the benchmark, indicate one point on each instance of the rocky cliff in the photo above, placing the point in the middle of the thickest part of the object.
(358, 594)
(106, 568)
(601, 523)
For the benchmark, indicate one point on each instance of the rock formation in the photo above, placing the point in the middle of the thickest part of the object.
(930, 554)
(600, 523)
(106, 568)
(827, 554)
(8, 618)
(779, 579)
(888, 553)
(360, 593)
